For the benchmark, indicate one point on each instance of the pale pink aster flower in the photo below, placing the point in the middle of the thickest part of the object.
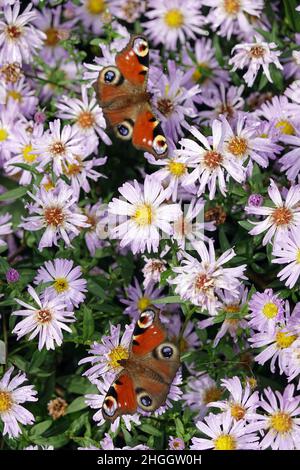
(105, 356)
(21, 94)
(12, 397)
(176, 443)
(222, 101)
(255, 55)
(65, 279)
(81, 170)
(288, 252)
(143, 216)
(210, 160)
(138, 300)
(57, 213)
(281, 218)
(90, 14)
(224, 433)
(200, 281)
(200, 391)
(241, 404)
(87, 116)
(171, 22)
(5, 227)
(96, 233)
(19, 40)
(46, 319)
(266, 310)
(60, 145)
(233, 17)
(152, 270)
(280, 423)
(278, 111)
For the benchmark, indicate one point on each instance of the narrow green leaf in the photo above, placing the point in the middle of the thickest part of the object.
(14, 193)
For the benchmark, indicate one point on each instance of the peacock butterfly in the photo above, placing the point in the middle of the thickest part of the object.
(122, 93)
(147, 373)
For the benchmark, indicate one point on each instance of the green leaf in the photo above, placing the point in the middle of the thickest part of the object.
(88, 324)
(76, 405)
(245, 224)
(40, 428)
(26, 167)
(14, 193)
(172, 299)
(149, 429)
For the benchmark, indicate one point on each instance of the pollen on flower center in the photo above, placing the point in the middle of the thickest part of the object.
(281, 422)
(165, 106)
(61, 285)
(143, 303)
(15, 95)
(13, 32)
(174, 18)
(28, 156)
(117, 354)
(284, 339)
(3, 135)
(73, 169)
(225, 442)
(270, 310)
(212, 394)
(44, 316)
(86, 120)
(282, 216)
(201, 72)
(203, 282)
(11, 72)
(95, 6)
(298, 256)
(285, 127)
(237, 411)
(238, 146)
(213, 159)
(5, 401)
(232, 6)
(54, 216)
(52, 37)
(177, 168)
(143, 215)
(232, 308)
(257, 52)
(57, 148)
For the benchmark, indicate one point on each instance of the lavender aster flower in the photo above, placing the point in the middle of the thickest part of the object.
(266, 310)
(5, 227)
(288, 252)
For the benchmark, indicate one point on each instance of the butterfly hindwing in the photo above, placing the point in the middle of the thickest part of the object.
(120, 398)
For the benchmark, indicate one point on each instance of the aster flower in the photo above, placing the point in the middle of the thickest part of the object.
(293, 358)
(97, 220)
(200, 281)
(241, 404)
(167, 23)
(184, 334)
(152, 270)
(107, 444)
(200, 391)
(65, 279)
(210, 160)
(7, 119)
(12, 397)
(81, 170)
(288, 252)
(222, 101)
(21, 94)
(255, 55)
(127, 10)
(5, 227)
(55, 211)
(104, 356)
(281, 218)
(87, 116)
(176, 443)
(138, 300)
(90, 13)
(290, 160)
(143, 216)
(280, 423)
(279, 113)
(38, 448)
(224, 433)
(230, 17)
(19, 39)
(60, 145)
(266, 310)
(46, 319)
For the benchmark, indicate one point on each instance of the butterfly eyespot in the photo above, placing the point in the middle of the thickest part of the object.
(144, 401)
(124, 130)
(166, 351)
(110, 76)
(110, 406)
(146, 319)
(160, 145)
(140, 47)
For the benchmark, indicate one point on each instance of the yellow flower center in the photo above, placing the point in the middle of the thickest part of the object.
(96, 6)
(232, 6)
(54, 216)
(270, 310)
(14, 95)
(143, 215)
(49, 185)
(5, 401)
(212, 394)
(52, 37)
(73, 169)
(86, 120)
(213, 159)
(117, 354)
(282, 216)
(28, 156)
(201, 72)
(225, 442)
(256, 52)
(3, 135)
(44, 316)
(143, 303)
(174, 18)
(281, 422)
(61, 285)
(298, 256)
(176, 168)
(233, 308)
(237, 411)
(238, 146)
(284, 339)
(285, 127)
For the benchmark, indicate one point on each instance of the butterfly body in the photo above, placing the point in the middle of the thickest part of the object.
(122, 93)
(147, 373)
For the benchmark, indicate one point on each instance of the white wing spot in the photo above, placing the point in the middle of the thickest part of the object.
(150, 142)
